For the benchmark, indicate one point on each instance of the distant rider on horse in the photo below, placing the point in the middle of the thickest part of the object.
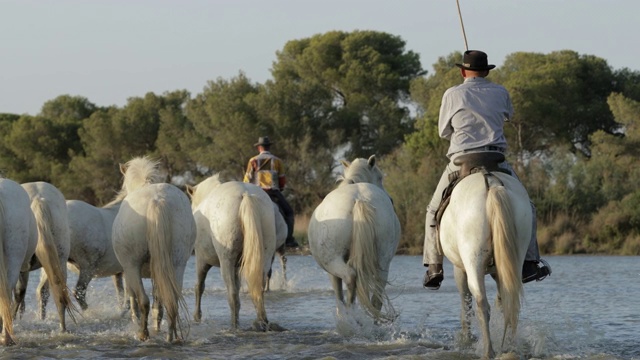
(267, 171)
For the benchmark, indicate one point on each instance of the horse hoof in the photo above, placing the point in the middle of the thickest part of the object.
(275, 327)
(177, 341)
(260, 326)
(7, 340)
(144, 336)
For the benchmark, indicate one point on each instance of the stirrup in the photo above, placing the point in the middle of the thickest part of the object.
(546, 269)
(540, 272)
(433, 277)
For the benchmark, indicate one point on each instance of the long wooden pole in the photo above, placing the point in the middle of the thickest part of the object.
(464, 35)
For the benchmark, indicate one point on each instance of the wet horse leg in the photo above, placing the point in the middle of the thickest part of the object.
(20, 293)
(376, 299)
(339, 269)
(158, 310)
(133, 280)
(261, 323)
(466, 305)
(120, 293)
(43, 294)
(231, 279)
(283, 264)
(202, 269)
(475, 280)
(336, 282)
(80, 292)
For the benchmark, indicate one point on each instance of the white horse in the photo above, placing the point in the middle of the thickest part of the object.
(354, 234)
(486, 230)
(18, 239)
(92, 253)
(236, 224)
(49, 208)
(153, 235)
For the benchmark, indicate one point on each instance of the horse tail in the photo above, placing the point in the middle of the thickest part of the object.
(252, 261)
(161, 265)
(364, 260)
(47, 254)
(5, 288)
(504, 234)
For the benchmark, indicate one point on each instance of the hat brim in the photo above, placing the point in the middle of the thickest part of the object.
(489, 67)
(262, 144)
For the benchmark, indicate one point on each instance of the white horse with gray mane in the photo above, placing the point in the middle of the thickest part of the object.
(236, 224)
(52, 251)
(18, 239)
(153, 235)
(354, 234)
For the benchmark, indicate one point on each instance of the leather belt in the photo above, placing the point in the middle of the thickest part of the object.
(485, 148)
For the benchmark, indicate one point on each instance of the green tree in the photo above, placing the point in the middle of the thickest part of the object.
(9, 163)
(559, 98)
(40, 148)
(115, 135)
(172, 143)
(360, 81)
(225, 124)
(614, 162)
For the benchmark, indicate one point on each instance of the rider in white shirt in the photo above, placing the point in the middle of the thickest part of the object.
(472, 117)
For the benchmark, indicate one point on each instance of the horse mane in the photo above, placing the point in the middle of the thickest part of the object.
(118, 199)
(138, 172)
(200, 191)
(361, 170)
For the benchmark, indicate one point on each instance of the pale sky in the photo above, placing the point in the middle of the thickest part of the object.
(110, 50)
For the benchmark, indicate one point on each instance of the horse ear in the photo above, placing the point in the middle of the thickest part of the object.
(345, 163)
(191, 190)
(123, 168)
(372, 161)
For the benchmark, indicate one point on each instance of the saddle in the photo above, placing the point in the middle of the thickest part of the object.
(483, 162)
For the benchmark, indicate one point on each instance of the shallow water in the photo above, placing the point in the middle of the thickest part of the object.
(588, 309)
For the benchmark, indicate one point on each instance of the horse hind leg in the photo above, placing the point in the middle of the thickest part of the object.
(231, 279)
(80, 292)
(157, 309)
(133, 280)
(343, 273)
(120, 293)
(283, 263)
(201, 275)
(466, 309)
(43, 296)
(475, 280)
(19, 294)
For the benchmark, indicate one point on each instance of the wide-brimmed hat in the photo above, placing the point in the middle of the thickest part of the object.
(475, 60)
(264, 141)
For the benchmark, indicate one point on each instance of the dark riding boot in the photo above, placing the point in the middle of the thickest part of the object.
(291, 243)
(433, 277)
(535, 270)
